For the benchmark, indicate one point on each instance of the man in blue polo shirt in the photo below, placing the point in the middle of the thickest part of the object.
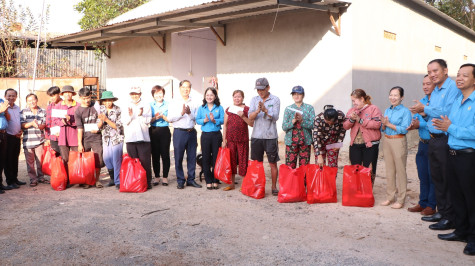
(3, 141)
(460, 126)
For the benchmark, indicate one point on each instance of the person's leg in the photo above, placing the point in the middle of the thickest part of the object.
(30, 165)
(332, 158)
(191, 155)
(107, 155)
(145, 155)
(55, 146)
(11, 165)
(291, 155)
(304, 154)
(233, 156)
(3, 155)
(96, 147)
(422, 172)
(180, 139)
(155, 143)
(257, 149)
(400, 161)
(272, 151)
(370, 158)
(389, 158)
(117, 151)
(165, 151)
(438, 152)
(38, 154)
(206, 139)
(243, 157)
(356, 154)
(215, 144)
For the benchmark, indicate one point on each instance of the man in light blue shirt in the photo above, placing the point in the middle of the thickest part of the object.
(441, 101)
(460, 126)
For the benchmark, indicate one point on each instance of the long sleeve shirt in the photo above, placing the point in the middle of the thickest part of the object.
(462, 130)
(14, 126)
(265, 126)
(52, 122)
(186, 121)
(136, 126)
(307, 122)
(161, 108)
(401, 117)
(441, 101)
(324, 132)
(423, 129)
(218, 113)
(3, 119)
(369, 123)
(68, 135)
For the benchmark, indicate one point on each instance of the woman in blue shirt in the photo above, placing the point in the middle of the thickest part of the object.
(160, 136)
(210, 116)
(394, 124)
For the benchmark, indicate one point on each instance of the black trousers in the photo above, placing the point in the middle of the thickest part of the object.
(360, 154)
(461, 183)
(438, 155)
(160, 138)
(210, 143)
(11, 163)
(3, 154)
(55, 146)
(142, 151)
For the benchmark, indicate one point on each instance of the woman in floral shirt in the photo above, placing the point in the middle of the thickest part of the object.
(112, 136)
(328, 129)
(298, 124)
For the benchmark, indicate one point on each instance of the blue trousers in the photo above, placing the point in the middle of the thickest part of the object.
(184, 141)
(427, 192)
(113, 158)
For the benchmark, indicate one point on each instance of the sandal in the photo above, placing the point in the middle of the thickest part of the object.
(228, 188)
(275, 192)
(99, 184)
(43, 181)
(164, 183)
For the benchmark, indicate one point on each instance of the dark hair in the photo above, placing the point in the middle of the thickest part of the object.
(400, 89)
(183, 81)
(215, 92)
(359, 93)
(426, 75)
(31, 94)
(239, 91)
(329, 113)
(10, 89)
(156, 89)
(53, 91)
(441, 62)
(84, 92)
(470, 65)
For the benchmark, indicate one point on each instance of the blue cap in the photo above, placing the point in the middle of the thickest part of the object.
(298, 89)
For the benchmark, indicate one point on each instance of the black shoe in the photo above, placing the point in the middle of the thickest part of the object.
(180, 186)
(117, 186)
(2, 191)
(443, 224)
(433, 218)
(20, 183)
(469, 249)
(12, 186)
(192, 183)
(149, 186)
(111, 183)
(5, 187)
(452, 237)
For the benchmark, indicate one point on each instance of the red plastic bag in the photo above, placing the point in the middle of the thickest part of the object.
(59, 177)
(291, 184)
(254, 183)
(81, 168)
(357, 188)
(321, 184)
(133, 177)
(46, 159)
(222, 167)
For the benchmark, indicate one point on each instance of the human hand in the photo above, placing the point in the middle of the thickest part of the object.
(298, 117)
(187, 109)
(80, 148)
(418, 107)
(320, 161)
(131, 112)
(414, 124)
(206, 119)
(67, 117)
(384, 120)
(3, 107)
(102, 117)
(223, 145)
(442, 124)
(354, 116)
(211, 117)
(35, 123)
(240, 113)
(140, 112)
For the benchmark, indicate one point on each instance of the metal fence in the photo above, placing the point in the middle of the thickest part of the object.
(61, 63)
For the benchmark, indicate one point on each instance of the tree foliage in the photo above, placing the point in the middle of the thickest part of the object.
(461, 10)
(97, 13)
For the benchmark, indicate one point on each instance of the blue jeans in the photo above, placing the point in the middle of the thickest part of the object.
(427, 193)
(184, 140)
(113, 159)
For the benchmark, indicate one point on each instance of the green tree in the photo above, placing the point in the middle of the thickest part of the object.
(97, 13)
(461, 10)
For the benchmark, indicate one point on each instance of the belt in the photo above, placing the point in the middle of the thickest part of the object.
(399, 136)
(186, 129)
(425, 141)
(437, 136)
(3, 131)
(462, 151)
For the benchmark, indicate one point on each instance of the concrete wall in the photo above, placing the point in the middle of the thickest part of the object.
(301, 50)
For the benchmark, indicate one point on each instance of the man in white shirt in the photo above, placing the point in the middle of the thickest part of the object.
(182, 114)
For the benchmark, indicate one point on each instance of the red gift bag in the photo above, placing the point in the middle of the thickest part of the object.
(291, 184)
(59, 177)
(321, 184)
(222, 167)
(133, 177)
(357, 188)
(254, 183)
(81, 168)
(46, 159)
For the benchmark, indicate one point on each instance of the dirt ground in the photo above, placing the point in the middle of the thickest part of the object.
(166, 226)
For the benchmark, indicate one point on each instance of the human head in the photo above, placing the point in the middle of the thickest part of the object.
(238, 97)
(158, 92)
(85, 95)
(396, 95)
(466, 77)
(359, 98)
(135, 93)
(32, 100)
(54, 94)
(437, 71)
(211, 96)
(427, 85)
(185, 89)
(330, 114)
(298, 93)
(262, 87)
(68, 92)
(10, 96)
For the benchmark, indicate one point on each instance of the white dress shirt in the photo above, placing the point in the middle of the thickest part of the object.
(186, 121)
(136, 126)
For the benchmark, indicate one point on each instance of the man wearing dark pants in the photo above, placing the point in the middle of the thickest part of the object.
(460, 126)
(440, 104)
(3, 140)
(182, 115)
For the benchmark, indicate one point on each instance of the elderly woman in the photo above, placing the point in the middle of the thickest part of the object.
(297, 125)
(395, 122)
(236, 135)
(364, 120)
(210, 116)
(328, 130)
(33, 123)
(112, 136)
(137, 137)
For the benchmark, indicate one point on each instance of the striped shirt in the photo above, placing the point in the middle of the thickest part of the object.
(33, 137)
